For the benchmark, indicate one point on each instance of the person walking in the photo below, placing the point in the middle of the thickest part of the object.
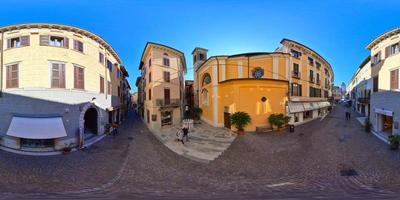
(185, 131)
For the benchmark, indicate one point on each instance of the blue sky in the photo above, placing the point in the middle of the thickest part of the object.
(338, 30)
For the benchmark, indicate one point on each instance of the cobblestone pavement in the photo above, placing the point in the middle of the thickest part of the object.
(206, 143)
(301, 165)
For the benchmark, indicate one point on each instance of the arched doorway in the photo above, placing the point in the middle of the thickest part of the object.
(90, 125)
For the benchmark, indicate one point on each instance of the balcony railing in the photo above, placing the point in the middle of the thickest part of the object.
(318, 82)
(312, 79)
(168, 102)
(296, 74)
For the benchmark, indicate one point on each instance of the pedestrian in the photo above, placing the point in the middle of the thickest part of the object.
(185, 131)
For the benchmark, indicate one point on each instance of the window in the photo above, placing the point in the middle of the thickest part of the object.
(109, 88)
(101, 85)
(258, 72)
(310, 61)
(149, 94)
(206, 79)
(296, 72)
(12, 76)
(101, 58)
(56, 41)
(326, 94)
(394, 79)
(149, 77)
(166, 76)
(312, 76)
(375, 83)
(295, 53)
(79, 78)
(109, 65)
(201, 56)
(166, 61)
(318, 81)
(204, 94)
(318, 65)
(57, 75)
(78, 45)
(296, 90)
(37, 143)
(118, 73)
(392, 49)
(149, 62)
(376, 58)
(18, 42)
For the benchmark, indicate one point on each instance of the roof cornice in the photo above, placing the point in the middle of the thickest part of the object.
(382, 37)
(66, 28)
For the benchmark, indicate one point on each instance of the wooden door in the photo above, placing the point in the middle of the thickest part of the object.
(227, 120)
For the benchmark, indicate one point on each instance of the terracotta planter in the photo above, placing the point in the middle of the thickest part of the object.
(240, 132)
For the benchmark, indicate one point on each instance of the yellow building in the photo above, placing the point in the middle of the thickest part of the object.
(261, 84)
(161, 85)
(56, 76)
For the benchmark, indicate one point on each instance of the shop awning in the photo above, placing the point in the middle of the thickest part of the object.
(37, 127)
(308, 106)
(295, 107)
(323, 104)
(383, 112)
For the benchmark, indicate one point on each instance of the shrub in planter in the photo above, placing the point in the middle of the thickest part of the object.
(240, 120)
(278, 120)
(394, 142)
(367, 125)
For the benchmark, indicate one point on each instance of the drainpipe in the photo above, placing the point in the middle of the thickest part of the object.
(248, 67)
(1, 64)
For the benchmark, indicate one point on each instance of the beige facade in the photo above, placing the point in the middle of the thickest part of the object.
(385, 67)
(161, 85)
(58, 71)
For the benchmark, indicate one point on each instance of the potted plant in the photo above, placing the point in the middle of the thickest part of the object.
(197, 113)
(367, 125)
(240, 120)
(278, 120)
(394, 142)
(67, 149)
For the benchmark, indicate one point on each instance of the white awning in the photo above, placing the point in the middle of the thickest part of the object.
(308, 106)
(37, 127)
(295, 107)
(383, 112)
(323, 104)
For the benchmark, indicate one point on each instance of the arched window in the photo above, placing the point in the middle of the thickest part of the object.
(206, 79)
(204, 95)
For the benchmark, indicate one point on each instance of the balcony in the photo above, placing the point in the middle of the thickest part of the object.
(318, 82)
(363, 100)
(296, 74)
(164, 103)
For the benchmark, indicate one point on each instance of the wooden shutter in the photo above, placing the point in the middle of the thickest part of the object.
(44, 40)
(375, 84)
(387, 51)
(12, 76)
(66, 42)
(79, 78)
(101, 85)
(166, 77)
(25, 41)
(394, 79)
(58, 75)
(109, 88)
(300, 90)
(8, 43)
(149, 94)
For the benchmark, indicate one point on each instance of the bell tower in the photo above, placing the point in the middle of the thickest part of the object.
(199, 57)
